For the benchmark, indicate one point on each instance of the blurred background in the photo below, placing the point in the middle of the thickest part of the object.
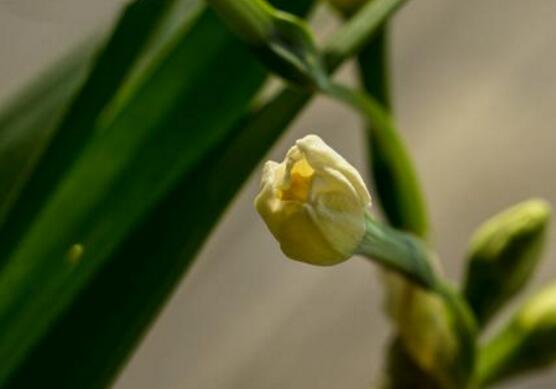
(474, 89)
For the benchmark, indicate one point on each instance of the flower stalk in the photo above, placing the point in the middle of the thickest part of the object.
(354, 35)
(399, 251)
(392, 163)
(282, 41)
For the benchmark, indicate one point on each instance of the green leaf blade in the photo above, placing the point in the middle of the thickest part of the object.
(108, 74)
(101, 206)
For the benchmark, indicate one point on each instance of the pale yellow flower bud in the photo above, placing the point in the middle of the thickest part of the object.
(314, 203)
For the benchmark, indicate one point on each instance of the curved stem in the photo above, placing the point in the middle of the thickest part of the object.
(354, 34)
(393, 168)
(399, 251)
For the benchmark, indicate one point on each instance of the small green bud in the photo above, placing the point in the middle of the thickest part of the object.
(502, 256)
(400, 251)
(527, 343)
(251, 20)
(283, 42)
(436, 329)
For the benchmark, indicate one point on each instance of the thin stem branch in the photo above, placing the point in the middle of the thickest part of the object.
(355, 33)
(400, 252)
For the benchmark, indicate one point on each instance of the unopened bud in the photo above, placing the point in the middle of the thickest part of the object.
(435, 328)
(282, 41)
(503, 254)
(527, 343)
(314, 203)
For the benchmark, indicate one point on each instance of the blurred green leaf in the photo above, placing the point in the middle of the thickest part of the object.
(78, 125)
(131, 289)
(128, 162)
(29, 120)
(397, 190)
(157, 131)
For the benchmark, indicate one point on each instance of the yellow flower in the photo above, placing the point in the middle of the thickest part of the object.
(314, 203)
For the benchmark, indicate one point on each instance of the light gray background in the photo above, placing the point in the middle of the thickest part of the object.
(475, 90)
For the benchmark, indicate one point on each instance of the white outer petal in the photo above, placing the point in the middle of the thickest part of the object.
(321, 156)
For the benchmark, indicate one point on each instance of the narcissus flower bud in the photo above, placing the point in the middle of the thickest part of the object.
(314, 203)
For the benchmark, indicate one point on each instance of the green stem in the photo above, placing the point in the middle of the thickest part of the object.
(399, 251)
(403, 370)
(393, 169)
(274, 116)
(408, 256)
(352, 37)
(374, 67)
(367, 106)
(402, 209)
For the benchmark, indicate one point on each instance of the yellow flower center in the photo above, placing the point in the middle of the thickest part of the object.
(301, 176)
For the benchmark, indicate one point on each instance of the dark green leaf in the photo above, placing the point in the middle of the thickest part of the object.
(28, 122)
(158, 135)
